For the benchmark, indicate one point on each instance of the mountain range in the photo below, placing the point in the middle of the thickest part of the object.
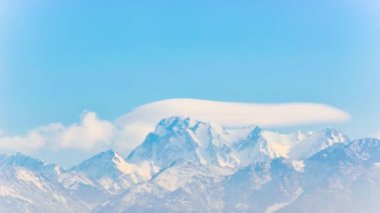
(186, 165)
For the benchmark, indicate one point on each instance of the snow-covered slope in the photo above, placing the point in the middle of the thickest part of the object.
(186, 165)
(184, 187)
(342, 178)
(25, 187)
(112, 172)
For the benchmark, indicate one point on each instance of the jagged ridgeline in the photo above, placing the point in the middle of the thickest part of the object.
(191, 166)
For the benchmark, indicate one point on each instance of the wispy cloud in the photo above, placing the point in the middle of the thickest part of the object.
(93, 134)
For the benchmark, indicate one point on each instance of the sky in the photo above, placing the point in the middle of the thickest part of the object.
(64, 63)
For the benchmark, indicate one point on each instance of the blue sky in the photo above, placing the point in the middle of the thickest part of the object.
(58, 58)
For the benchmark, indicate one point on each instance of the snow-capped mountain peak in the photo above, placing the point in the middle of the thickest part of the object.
(27, 162)
(21, 160)
(173, 124)
(112, 171)
(105, 164)
(179, 138)
(312, 142)
(256, 133)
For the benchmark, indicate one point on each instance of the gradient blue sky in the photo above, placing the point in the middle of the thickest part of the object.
(58, 58)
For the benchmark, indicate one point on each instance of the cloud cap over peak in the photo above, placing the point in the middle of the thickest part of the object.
(143, 119)
(238, 114)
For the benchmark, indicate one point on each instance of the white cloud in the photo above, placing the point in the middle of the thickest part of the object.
(89, 135)
(92, 134)
(27, 143)
(377, 135)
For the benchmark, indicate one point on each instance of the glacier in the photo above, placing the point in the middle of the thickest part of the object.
(186, 165)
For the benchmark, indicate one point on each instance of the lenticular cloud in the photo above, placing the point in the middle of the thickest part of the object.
(238, 114)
